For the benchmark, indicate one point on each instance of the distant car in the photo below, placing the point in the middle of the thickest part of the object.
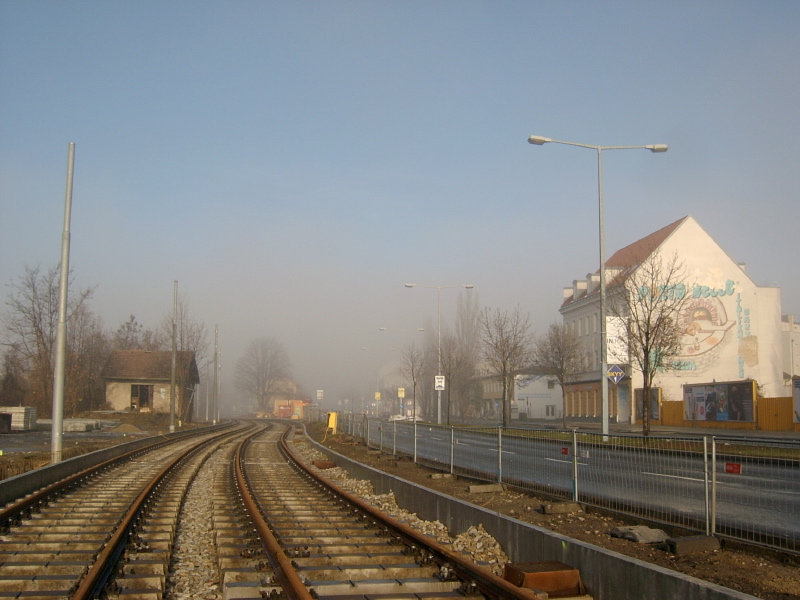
(397, 418)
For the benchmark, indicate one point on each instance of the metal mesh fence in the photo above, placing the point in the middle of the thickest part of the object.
(736, 487)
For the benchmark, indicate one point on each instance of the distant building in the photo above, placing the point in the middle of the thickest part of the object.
(537, 398)
(141, 380)
(732, 327)
(790, 343)
(534, 396)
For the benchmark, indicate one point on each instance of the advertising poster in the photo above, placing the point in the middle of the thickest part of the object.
(655, 413)
(718, 402)
(796, 390)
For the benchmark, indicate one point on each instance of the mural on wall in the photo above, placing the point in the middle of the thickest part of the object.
(709, 326)
(705, 324)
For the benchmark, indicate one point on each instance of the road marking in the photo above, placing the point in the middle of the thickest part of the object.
(671, 476)
(569, 462)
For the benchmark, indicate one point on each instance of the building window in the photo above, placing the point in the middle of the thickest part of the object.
(550, 410)
(141, 396)
(551, 384)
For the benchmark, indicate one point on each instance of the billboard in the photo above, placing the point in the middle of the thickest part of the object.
(725, 401)
(796, 394)
(655, 403)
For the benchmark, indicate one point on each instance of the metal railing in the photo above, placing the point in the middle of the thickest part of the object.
(735, 487)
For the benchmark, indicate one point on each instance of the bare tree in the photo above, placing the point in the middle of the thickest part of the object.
(452, 362)
(412, 368)
(87, 351)
(132, 335)
(31, 329)
(465, 382)
(647, 302)
(191, 334)
(558, 353)
(507, 349)
(12, 382)
(263, 371)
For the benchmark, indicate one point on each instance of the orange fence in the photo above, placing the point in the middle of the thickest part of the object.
(772, 414)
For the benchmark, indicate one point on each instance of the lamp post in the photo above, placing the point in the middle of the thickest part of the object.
(539, 141)
(439, 289)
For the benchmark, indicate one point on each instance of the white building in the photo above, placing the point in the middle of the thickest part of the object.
(537, 398)
(732, 327)
(791, 347)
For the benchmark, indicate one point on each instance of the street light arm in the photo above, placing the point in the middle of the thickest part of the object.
(538, 140)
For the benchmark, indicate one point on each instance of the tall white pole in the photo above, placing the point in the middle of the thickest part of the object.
(61, 331)
(603, 340)
(439, 352)
(174, 357)
(215, 388)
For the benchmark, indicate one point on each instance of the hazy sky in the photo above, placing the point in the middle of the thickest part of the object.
(293, 164)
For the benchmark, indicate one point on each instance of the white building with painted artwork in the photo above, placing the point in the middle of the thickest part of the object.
(732, 327)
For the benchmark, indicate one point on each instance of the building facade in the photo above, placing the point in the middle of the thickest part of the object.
(731, 326)
(141, 380)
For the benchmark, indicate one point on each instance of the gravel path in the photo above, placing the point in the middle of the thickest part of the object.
(195, 573)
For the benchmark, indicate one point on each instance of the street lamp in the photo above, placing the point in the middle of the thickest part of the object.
(439, 289)
(539, 141)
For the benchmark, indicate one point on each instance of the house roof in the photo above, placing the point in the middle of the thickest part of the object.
(149, 365)
(633, 254)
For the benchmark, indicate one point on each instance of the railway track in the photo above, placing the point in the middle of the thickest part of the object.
(234, 515)
(65, 541)
(325, 543)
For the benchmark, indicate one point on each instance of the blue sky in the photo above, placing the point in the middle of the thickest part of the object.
(293, 164)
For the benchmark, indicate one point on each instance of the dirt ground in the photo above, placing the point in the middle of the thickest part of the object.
(760, 573)
(25, 451)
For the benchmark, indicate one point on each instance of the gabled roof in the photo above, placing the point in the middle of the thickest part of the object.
(635, 253)
(632, 254)
(149, 365)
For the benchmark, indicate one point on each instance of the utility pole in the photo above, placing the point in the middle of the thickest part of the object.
(61, 331)
(174, 357)
(216, 383)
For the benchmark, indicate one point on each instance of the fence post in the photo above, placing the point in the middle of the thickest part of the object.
(713, 485)
(574, 465)
(705, 485)
(499, 455)
(366, 425)
(452, 449)
(380, 437)
(394, 438)
(415, 441)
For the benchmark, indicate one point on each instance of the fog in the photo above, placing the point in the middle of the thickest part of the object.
(293, 165)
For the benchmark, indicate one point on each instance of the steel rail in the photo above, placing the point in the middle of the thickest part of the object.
(285, 573)
(42, 496)
(99, 573)
(487, 582)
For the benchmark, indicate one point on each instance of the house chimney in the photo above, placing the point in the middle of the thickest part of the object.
(594, 282)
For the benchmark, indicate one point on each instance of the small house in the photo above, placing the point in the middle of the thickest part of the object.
(141, 380)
